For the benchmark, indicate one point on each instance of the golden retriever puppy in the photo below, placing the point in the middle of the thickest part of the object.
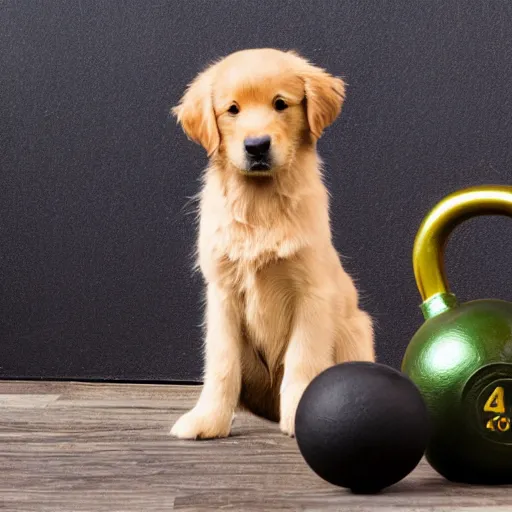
(280, 308)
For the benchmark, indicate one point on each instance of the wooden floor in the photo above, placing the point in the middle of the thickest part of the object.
(70, 447)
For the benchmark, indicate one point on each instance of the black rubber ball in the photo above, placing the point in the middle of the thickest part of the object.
(363, 426)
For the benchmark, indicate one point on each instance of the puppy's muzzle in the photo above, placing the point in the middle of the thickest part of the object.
(257, 151)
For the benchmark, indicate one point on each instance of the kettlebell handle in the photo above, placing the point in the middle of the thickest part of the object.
(433, 234)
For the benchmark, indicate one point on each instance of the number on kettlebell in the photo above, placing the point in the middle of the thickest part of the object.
(502, 423)
(496, 401)
(498, 421)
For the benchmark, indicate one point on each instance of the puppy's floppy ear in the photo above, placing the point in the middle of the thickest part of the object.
(325, 95)
(195, 112)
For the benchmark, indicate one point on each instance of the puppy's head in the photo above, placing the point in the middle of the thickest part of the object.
(255, 108)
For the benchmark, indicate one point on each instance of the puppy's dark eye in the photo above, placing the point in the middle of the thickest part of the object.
(280, 104)
(233, 109)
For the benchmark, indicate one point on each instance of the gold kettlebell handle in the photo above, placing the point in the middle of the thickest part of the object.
(432, 236)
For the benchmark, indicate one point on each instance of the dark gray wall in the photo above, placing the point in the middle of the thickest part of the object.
(95, 234)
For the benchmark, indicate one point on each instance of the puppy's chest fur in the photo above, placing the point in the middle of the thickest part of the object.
(256, 267)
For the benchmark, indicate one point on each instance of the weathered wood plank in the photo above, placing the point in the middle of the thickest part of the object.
(105, 447)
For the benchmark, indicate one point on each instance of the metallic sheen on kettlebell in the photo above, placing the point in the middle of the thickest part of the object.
(461, 357)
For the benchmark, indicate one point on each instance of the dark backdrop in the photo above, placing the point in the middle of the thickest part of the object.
(96, 236)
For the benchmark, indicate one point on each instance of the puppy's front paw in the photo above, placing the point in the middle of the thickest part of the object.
(290, 397)
(202, 424)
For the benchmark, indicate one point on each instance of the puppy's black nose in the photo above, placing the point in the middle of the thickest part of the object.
(257, 146)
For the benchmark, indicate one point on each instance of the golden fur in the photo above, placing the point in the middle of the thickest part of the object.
(280, 307)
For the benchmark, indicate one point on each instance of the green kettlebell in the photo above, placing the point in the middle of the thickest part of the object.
(461, 357)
